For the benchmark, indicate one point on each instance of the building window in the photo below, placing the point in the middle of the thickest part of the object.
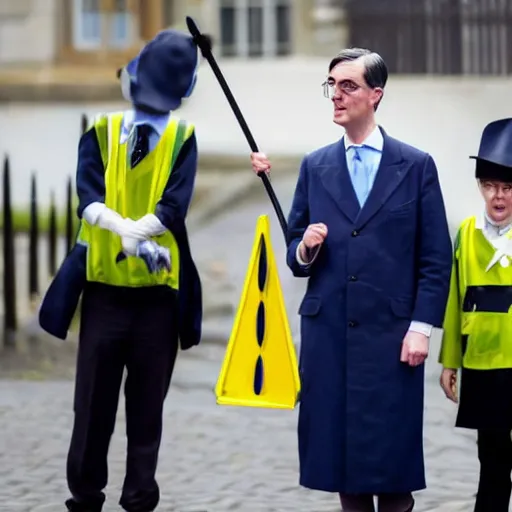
(228, 30)
(103, 23)
(283, 29)
(255, 28)
(168, 13)
(87, 24)
(120, 35)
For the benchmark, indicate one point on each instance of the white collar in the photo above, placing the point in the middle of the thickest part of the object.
(483, 222)
(375, 140)
(133, 118)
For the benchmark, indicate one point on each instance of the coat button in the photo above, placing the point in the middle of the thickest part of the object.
(352, 278)
(355, 232)
(352, 324)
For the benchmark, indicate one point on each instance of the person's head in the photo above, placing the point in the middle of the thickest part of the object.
(164, 72)
(494, 170)
(355, 84)
(497, 196)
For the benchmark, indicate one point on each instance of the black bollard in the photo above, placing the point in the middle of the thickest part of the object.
(33, 251)
(69, 218)
(52, 237)
(10, 322)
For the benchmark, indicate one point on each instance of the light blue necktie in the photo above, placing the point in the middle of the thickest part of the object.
(359, 177)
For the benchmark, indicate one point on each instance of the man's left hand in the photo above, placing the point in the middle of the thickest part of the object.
(414, 348)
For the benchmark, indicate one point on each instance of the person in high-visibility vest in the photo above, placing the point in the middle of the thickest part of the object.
(132, 267)
(477, 336)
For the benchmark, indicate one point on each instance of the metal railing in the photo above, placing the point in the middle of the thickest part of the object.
(10, 237)
(440, 37)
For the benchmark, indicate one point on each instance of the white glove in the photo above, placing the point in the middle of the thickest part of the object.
(150, 225)
(129, 245)
(111, 220)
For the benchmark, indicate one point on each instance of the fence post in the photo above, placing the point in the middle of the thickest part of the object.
(10, 322)
(69, 218)
(52, 237)
(33, 260)
(84, 123)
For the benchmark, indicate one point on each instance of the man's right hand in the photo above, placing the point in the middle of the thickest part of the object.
(448, 382)
(260, 163)
(314, 235)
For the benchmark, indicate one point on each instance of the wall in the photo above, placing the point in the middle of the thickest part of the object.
(283, 104)
(287, 113)
(27, 31)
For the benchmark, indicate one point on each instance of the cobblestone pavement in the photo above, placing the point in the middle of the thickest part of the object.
(214, 458)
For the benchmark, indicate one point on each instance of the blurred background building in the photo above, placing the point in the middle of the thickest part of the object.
(449, 60)
(107, 32)
(418, 36)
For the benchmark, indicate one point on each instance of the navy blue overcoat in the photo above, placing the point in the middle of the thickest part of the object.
(361, 409)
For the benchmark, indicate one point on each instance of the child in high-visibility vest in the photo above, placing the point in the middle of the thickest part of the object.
(478, 323)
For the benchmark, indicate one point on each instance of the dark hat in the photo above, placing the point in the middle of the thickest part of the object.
(164, 72)
(494, 159)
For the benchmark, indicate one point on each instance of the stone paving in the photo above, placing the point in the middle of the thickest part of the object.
(214, 458)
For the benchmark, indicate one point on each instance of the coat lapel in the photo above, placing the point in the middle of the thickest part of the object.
(336, 180)
(391, 172)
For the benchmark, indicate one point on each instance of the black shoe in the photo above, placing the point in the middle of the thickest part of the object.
(74, 506)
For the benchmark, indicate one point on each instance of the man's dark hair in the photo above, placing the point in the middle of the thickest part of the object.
(375, 69)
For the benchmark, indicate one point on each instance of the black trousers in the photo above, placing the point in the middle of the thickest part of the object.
(495, 456)
(121, 328)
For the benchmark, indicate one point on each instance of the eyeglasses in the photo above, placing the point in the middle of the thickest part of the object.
(495, 188)
(345, 86)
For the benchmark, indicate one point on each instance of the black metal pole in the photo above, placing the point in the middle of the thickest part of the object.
(83, 123)
(69, 218)
(33, 263)
(52, 237)
(10, 321)
(204, 45)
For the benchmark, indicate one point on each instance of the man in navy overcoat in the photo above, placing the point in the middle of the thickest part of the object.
(368, 228)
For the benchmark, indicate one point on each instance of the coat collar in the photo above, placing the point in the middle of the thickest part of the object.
(336, 179)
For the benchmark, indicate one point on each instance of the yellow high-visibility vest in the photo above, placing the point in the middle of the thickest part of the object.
(132, 193)
(478, 311)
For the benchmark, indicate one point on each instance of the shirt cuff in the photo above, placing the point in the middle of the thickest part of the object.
(313, 253)
(421, 327)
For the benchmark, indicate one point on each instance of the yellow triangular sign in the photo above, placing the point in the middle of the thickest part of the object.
(260, 365)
